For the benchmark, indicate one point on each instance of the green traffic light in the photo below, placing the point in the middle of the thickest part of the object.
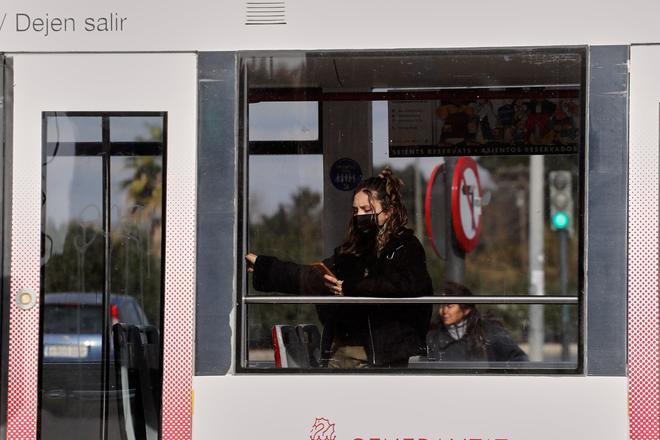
(560, 220)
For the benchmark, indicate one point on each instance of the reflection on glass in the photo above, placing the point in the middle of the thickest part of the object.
(136, 191)
(136, 231)
(525, 104)
(498, 265)
(501, 340)
(80, 389)
(72, 288)
(495, 335)
(73, 129)
(136, 128)
(284, 121)
(286, 210)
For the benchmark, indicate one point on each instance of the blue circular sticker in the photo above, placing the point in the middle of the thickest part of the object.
(345, 174)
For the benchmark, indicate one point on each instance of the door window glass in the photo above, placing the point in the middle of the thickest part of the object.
(102, 198)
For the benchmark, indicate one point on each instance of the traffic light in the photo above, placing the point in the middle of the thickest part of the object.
(561, 200)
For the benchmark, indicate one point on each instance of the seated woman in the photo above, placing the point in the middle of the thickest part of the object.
(380, 258)
(460, 333)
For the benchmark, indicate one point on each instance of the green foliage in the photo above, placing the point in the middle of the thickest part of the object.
(135, 242)
(144, 188)
(80, 267)
(136, 268)
(292, 233)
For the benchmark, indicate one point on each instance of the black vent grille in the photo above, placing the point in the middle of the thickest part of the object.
(265, 13)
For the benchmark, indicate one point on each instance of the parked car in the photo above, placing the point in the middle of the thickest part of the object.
(72, 371)
(72, 324)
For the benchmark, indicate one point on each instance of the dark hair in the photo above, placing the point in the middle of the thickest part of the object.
(451, 288)
(474, 332)
(385, 188)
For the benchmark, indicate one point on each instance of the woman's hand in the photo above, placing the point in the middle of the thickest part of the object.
(250, 259)
(333, 284)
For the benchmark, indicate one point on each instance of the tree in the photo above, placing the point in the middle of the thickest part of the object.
(292, 233)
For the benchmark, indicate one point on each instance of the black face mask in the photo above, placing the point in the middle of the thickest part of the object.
(366, 224)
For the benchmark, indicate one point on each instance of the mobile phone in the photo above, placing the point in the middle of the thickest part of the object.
(323, 269)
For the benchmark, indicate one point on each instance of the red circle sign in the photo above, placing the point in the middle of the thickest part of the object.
(434, 218)
(466, 203)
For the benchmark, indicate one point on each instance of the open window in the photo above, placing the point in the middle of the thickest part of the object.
(490, 147)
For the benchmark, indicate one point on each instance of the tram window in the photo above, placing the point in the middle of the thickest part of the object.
(284, 121)
(516, 117)
(285, 209)
(505, 328)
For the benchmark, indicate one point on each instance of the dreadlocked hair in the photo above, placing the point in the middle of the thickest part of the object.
(385, 188)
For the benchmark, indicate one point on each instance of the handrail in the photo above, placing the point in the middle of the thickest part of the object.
(420, 363)
(521, 299)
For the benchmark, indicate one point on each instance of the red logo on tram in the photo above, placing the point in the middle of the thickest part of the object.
(322, 430)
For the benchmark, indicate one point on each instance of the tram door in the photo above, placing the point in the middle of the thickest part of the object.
(90, 158)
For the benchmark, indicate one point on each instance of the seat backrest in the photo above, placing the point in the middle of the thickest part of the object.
(150, 379)
(310, 336)
(127, 355)
(296, 346)
(139, 378)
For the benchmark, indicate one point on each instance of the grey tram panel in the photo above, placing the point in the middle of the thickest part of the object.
(606, 228)
(216, 211)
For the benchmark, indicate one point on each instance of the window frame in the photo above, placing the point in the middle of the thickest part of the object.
(107, 148)
(292, 94)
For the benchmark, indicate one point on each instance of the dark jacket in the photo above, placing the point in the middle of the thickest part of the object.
(494, 344)
(390, 333)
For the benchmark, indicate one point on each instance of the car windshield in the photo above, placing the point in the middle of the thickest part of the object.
(72, 318)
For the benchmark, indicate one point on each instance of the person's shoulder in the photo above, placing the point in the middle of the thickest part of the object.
(405, 236)
(403, 239)
(494, 327)
(403, 243)
(410, 240)
(439, 335)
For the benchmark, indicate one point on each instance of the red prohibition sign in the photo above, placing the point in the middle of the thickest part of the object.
(434, 235)
(466, 203)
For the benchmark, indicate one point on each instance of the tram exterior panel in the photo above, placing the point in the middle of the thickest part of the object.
(147, 167)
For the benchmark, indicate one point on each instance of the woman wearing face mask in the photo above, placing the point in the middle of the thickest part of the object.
(380, 258)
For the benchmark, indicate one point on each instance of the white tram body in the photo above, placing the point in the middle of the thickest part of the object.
(148, 146)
